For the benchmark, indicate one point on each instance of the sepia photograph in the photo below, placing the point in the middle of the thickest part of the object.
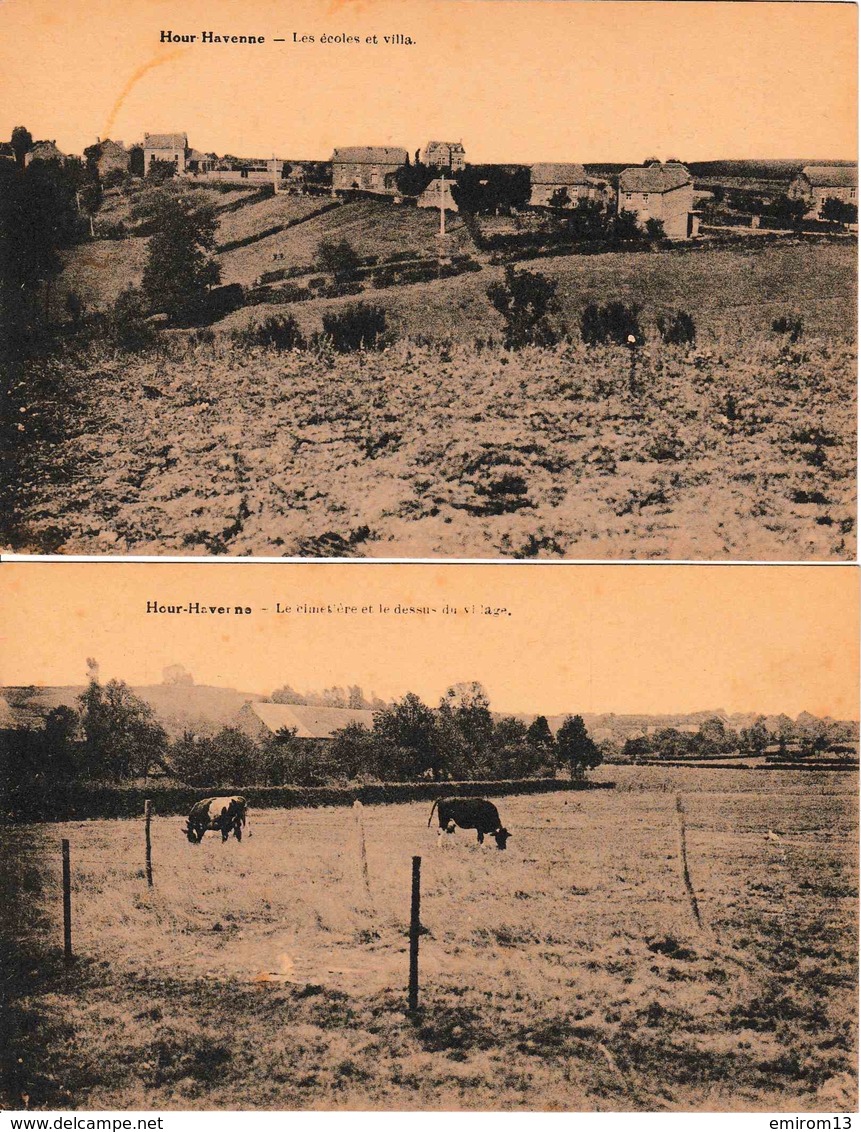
(436, 279)
(392, 837)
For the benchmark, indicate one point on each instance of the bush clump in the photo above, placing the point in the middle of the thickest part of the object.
(614, 322)
(127, 322)
(361, 326)
(280, 332)
(794, 327)
(677, 330)
(525, 299)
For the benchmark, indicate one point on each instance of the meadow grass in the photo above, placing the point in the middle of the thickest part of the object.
(568, 972)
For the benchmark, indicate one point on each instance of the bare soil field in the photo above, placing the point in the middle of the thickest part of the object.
(448, 450)
(568, 972)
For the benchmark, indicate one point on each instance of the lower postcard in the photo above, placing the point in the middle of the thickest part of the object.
(388, 837)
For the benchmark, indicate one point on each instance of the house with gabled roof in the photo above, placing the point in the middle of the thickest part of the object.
(369, 167)
(7, 153)
(660, 190)
(109, 156)
(44, 151)
(315, 725)
(816, 184)
(563, 183)
(445, 155)
(166, 147)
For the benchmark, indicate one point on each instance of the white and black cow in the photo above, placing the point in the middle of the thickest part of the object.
(227, 815)
(470, 813)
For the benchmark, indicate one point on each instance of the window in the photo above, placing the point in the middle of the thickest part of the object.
(852, 194)
(628, 196)
(645, 198)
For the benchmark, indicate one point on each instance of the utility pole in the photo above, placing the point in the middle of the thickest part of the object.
(442, 206)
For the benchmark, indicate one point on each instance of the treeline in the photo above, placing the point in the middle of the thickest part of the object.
(804, 737)
(113, 736)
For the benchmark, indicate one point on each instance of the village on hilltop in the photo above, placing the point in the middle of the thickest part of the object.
(662, 192)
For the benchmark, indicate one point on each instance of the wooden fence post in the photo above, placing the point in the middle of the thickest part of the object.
(67, 903)
(358, 813)
(415, 928)
(147, 819)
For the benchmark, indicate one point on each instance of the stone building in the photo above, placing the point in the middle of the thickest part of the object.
(438, 192)
(445, 155)
(816, 184)
(660, 191)
(44, 151)
(314, 725)
(369, 167)
(547, 179)
(166, 147)
(109, 156)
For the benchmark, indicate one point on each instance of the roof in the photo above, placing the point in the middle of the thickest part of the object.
(445, 145)
(6, 150)
(109, 143)
(556, 173)
(310, 722)
(831, 176)
(370, 155)
(659, 177)
(196, 155)
(43, 147)
(165, 141)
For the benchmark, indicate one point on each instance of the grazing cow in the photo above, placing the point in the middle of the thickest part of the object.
(470, 813)
(227, 815)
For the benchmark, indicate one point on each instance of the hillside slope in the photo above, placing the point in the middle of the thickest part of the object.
(372, 227)
(197, 707)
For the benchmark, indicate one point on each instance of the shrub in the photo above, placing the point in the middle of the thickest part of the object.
(794, 327)
(127, 326)
(614, 322)
(337, 290)
(525, 299)
(341, 259)
(280, 332)
(357, 327)
(677, 330)
(655, 229)
(115, 231)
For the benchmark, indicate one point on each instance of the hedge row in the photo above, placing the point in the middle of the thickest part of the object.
(78, 802)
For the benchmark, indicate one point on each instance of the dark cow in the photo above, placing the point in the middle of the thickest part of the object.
(470, 813)
(226, 815)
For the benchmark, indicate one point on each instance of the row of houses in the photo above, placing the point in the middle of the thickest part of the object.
(660, 191)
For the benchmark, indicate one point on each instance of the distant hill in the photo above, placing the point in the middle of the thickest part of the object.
(196, 707)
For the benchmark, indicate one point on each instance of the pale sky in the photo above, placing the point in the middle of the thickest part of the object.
(648, 638)
(516, 80)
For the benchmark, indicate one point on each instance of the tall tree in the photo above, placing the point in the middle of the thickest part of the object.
(21, 141)
(539, 736)
(180, 267)
(122, 737)
(411, 726)
(576, 747)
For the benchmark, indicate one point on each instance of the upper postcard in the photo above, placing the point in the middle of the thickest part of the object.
(429, 279)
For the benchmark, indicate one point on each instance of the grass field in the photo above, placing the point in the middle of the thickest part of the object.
(567, 973)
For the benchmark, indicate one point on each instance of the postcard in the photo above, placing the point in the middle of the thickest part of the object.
(430, 279)
(430, 837)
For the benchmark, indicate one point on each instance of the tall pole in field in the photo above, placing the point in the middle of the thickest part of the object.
(147, 819)
(415, 927)
(67, 903)
(442, 207)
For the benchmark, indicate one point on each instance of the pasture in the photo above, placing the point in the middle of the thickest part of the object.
(568, 972)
